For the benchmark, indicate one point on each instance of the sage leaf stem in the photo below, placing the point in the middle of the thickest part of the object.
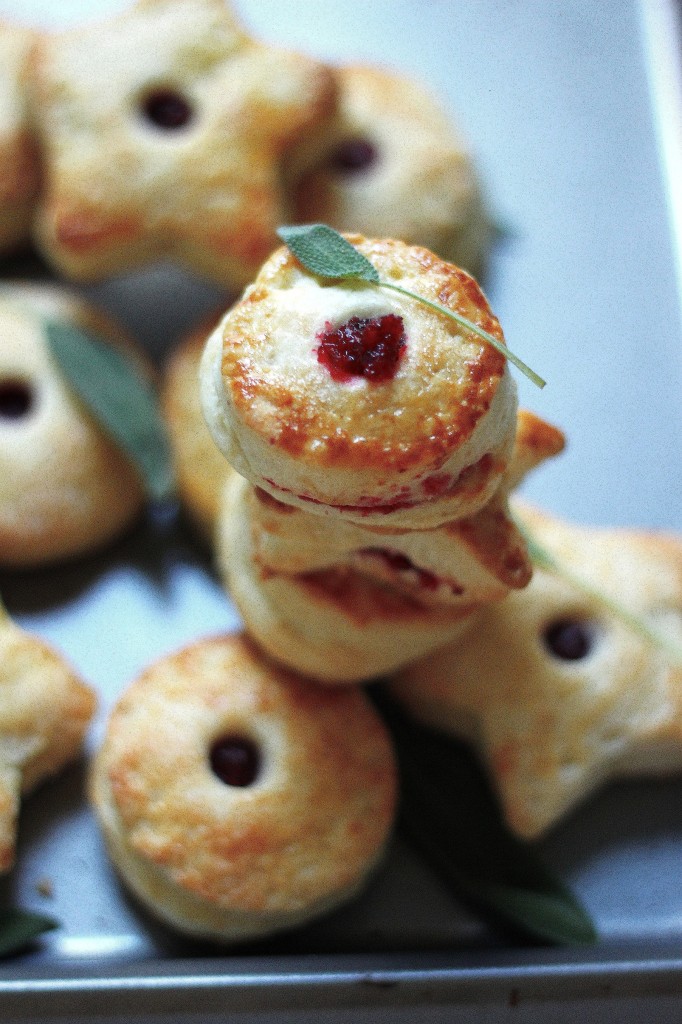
(469, 325)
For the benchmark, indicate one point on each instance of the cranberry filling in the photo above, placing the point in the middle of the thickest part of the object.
(16, 399)
(363, 347)
(398, 562)
(167, 109)
(353, 155)
(235, 760)
(569, 639)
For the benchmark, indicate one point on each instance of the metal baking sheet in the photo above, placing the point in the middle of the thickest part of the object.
(574, 112)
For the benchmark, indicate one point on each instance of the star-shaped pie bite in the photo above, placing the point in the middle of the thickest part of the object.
(343, 603)
(163, 129)
(555, 691)
(45, 710)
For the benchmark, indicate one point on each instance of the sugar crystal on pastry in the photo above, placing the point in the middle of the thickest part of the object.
(428, 444)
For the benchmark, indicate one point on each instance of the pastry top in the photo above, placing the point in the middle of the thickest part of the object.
(558, 693)
(163, 128)
(423, 444)
(45, 709)
(19, 162)
(65, 487)
(392, 163)
(297, 832)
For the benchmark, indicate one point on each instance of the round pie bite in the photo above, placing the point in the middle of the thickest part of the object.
(19, 157)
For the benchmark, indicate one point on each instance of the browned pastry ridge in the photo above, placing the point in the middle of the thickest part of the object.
(201, 470)
(391, 163)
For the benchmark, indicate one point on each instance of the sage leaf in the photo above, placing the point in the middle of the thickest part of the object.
(327, 253)
(18, 928)
(122, 401)
(450, 814)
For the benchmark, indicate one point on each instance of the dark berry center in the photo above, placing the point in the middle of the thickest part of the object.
(569, 639)
(16, 399)
(235, 760)
(363, 347)
(353, 155)
(167, 109)
(398, 562)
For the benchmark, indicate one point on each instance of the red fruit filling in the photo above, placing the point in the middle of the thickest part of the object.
(363, 347)
(235, 760)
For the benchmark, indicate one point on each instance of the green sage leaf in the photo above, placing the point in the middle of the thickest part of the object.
(450, 814)
(18, 928)
(327, 253)
(120, 399)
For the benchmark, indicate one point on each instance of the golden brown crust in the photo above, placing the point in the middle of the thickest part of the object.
(200, 468)
(45, 710)
(536, 440)
(120, 190)
(336, 625)
(551, 730)
(65, 487)
(234, 862)
(463, 563)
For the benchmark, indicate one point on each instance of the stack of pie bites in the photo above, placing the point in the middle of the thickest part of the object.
(168, 132)
(350, 453)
